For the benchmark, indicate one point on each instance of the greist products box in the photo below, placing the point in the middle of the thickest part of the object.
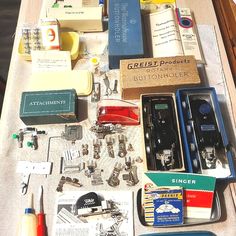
(154, 75)
(125, 31)
(48, 107)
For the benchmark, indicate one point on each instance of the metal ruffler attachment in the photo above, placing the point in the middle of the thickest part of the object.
(113, 180)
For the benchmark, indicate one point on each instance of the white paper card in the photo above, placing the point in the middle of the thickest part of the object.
(52, 60)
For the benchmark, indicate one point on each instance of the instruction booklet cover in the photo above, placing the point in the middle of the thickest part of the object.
(94, 213)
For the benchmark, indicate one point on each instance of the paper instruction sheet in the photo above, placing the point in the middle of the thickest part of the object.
(97, 213)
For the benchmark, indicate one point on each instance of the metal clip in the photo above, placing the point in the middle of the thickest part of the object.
(34, 141)
(85, 150)
(91, 166)
(133, 176)
(67, 180)
(110, 141)
(96, 148)
(128, 163)
(24, 183)
(107, 84)
(122, 145)
(96, 92)
(130, 147)
(115, 87)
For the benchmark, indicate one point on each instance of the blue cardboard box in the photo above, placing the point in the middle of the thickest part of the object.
(205, 142)
(125, 32)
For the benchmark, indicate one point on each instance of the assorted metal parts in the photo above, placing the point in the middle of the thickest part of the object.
(97, 143)
(71, 167)
(26, 38)
(96, 92)
(139, 159)
(36, 37)
(113, 180)
(67, 180)
(110, 141)
(115, 90)
(130, 148)
(107, 84)
(71, 154)
(72, 133)
(91, 167)
(94, 173)
(31, 39)
(26, 168)
(161, 133)
(101, 130)
(122, 145)
(132, 177)
(85, 150)
(34, 137)
(128, 163)
(96, 177)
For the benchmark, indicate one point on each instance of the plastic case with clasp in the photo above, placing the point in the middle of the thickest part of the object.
(205, 142)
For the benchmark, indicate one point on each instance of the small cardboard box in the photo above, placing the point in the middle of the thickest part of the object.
(48, 107)
(84, 19)
(153, 75)
(125, 31)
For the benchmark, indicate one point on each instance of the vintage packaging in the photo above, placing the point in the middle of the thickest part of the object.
(81, 19)
(125, 31)
(175, 29)
(48, 107)
(205, 141)
(153, 75)
(198, 190)
(50, 33)
(164, 206)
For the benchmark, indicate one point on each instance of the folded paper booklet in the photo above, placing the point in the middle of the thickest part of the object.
(172, 32)
(94, 213)
(198, 190)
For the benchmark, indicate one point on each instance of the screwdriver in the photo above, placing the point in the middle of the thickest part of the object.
(41, 228)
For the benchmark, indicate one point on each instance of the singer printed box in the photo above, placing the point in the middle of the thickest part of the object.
(198, 190)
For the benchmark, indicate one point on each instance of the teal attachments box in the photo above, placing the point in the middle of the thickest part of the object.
(125, 32)
(48, 107)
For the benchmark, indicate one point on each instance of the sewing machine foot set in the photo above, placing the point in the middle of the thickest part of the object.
(119, 128)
